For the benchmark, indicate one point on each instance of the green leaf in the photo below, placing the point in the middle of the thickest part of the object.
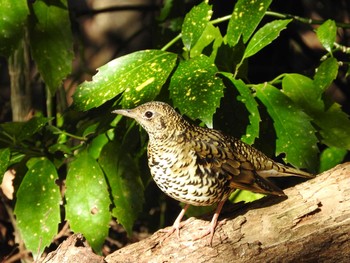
(326, 34)
(301, 90)
(265, 36)
(210, 34)
(97, 144)
(250, 103)
(295, 134)
(12, 25)
(124, 179)
(37, 208)
(196, 90)
(51, 41)
(244, 196)
(326, 73)
(31, 127)
(140, 75)
(333, 123)
(330, 157)
(335, 127)
(5, 154)
(245, 18)
(195, 23)
(87, 208)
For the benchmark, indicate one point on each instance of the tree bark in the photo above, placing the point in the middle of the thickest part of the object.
(311, 225)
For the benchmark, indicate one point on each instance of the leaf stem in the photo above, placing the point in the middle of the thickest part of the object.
(303, 19)
(268, 13)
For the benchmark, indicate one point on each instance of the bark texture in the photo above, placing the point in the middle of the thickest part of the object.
(311, 225)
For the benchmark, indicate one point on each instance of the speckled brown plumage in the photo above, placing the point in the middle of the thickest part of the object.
(200, 166)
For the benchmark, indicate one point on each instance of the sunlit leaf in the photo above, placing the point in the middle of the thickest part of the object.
(139, 76)
(334, 124)
(245, 18)
(327, 33)
(38, 205)
(265, 36)
(295, 134)
(87, 208)
(195, 89)
(326, 73)
(195, 23)
(211, 35)
(330, 157)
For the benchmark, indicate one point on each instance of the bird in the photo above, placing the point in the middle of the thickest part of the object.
(201, 166)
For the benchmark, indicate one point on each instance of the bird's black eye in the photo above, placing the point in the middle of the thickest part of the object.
(148, 114)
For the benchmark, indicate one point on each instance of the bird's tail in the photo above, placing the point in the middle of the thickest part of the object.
(280, 170)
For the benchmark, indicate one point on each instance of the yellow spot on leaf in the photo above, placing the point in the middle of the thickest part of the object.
(146, 83)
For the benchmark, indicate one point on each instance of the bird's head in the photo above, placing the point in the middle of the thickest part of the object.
(159, 119)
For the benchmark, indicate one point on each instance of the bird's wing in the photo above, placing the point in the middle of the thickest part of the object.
(222, 160)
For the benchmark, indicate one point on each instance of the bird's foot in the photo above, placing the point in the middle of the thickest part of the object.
(210, 230)
(174, 228)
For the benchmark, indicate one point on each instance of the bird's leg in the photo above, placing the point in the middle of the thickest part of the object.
(213, 224)
(177, 223)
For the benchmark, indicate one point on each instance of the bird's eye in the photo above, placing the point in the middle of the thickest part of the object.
(148, 114)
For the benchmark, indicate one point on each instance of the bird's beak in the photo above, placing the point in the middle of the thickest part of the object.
(127, 113)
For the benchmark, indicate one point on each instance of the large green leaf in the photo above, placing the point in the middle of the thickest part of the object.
(295, 134)
(301, 90)
(327, 33)
(245, 18)
(334, 124)
(51, 41)
(195, 23)
(140, 75)
(265, 36)
(38, 205)
(87, 208)
(124, 179)
(250, 103)
(12, 25)
(195, 89)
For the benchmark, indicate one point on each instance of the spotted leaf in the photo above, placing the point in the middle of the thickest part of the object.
(195, 23)
(38, 205)
(196, 90)
(264, 36)
(87, 208)
(245, 18)
(139, 76)
(295, 135)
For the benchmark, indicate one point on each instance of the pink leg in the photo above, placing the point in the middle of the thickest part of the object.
(213, 224)
(177, 223)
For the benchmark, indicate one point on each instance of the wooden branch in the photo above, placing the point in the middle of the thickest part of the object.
(312, 225)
